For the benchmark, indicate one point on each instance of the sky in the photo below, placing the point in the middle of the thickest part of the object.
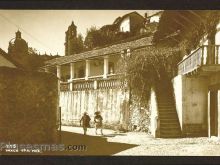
(44, 30)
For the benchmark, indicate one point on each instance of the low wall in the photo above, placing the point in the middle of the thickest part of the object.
(112, 103)
(28, 107)
(191, 104)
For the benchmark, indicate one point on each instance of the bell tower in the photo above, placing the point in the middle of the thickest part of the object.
(70, 39)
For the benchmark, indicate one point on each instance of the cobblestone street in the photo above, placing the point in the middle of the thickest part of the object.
(143, 144)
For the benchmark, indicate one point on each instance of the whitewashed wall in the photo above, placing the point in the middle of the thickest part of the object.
(154, 113)
(113, 104)
(125, 25)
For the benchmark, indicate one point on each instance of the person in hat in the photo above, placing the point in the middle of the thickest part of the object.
(85, 120)
(98, 122)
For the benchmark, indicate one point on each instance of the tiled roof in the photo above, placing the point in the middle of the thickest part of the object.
(10, 59)
(113, 49)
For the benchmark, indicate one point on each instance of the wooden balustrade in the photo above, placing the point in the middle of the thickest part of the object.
(205, 55)
(95, 82)
(64, 86)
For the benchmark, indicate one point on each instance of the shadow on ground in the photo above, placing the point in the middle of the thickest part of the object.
(83, 145)
(95, 145)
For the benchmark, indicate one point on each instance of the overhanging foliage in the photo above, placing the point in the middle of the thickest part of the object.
(147, 66)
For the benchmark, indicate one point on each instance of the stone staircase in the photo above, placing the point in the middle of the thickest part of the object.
(169, 123)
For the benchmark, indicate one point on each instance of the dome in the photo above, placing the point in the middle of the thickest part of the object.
(18, 45)
(16, 41)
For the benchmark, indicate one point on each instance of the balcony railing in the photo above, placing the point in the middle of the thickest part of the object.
(204, 55)
(94, 82)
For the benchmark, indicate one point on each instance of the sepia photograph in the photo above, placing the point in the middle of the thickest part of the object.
(110, 82)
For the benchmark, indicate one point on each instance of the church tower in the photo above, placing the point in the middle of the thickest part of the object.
(71, 40)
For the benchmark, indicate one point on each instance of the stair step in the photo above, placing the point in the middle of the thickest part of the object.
(170, 136)
(169, 122)
(168, 116)
(171, 131)
(166, 105)
(173, 121)
(167, 109)
(169, 127)
(171, 112)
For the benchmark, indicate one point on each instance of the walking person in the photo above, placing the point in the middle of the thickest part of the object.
(85, 120)
(98, 122)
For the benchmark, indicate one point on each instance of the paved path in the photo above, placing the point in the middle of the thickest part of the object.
(90, 131)
(143, 144)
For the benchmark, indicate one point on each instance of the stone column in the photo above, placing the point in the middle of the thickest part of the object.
(106, 59)
(87, 69)
(58, 71)
(72, 72)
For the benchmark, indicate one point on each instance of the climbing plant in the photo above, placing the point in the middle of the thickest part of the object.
(206, 26)
(146, 66)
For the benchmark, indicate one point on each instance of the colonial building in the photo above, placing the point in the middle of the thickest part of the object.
(187, 106)
(196, 85)
(90, 82)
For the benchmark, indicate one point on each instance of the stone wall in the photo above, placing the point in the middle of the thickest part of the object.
(28, 107)
(112, 103)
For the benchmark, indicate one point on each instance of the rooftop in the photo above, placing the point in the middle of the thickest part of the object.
(109, 50)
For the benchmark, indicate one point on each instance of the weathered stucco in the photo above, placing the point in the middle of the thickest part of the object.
(153, 114)
(191, 104)
(177, 86)
(113, 104)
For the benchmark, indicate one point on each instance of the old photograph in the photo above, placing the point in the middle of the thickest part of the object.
(110, 82)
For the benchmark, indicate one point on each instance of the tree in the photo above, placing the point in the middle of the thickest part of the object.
(93, 38)
(79, 47)
(106, 35)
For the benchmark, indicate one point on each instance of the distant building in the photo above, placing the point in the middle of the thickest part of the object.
(6, 61)
(131, 22)
(23, 56)
(18, 46)
(73, 44)
(150, 23)
(18, 50)
(155, 17)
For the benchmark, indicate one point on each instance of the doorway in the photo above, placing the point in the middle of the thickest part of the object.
(213, 113)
